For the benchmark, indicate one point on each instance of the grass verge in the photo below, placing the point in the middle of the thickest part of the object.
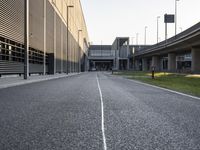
(185, 83)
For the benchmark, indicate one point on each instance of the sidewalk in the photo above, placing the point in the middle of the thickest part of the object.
(10, 81)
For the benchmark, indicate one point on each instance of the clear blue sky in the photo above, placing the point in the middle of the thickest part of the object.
(107, 19)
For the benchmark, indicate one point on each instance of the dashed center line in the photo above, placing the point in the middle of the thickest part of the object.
(102, 116)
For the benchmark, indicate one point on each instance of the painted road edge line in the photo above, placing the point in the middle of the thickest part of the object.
(161, 88)
(102, 116)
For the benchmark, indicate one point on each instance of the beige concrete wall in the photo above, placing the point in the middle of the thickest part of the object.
(76, 17)
(76, 22)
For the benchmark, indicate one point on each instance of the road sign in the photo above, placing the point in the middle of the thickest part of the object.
(169, 18)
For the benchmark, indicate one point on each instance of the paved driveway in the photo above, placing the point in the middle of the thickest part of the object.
(67, 114)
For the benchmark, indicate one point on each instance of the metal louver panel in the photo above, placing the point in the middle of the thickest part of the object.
(12, 19)
(11, 67)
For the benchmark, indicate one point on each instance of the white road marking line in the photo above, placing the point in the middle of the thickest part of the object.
(102, 116)
(179, 93)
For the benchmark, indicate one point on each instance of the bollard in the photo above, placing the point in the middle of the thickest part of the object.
(153, 72)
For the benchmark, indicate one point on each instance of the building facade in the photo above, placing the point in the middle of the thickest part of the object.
(57, 36)
(118, 56)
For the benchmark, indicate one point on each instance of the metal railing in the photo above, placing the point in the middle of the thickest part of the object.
(101, 53)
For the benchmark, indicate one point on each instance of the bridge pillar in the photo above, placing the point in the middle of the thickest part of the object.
(128, 53)
(117, 63)
(128, 64)
(196, 60)
(156, 63)
(172, 62)
(136, 65)
(144, 64)
(87, 65)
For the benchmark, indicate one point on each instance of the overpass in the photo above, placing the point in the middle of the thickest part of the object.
(179, 53)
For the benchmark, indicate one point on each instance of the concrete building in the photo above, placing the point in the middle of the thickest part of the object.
(118, 56)
(180, 53)
(57, 36)
(101, 57)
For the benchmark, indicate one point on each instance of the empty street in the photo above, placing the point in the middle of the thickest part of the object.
(97, 111)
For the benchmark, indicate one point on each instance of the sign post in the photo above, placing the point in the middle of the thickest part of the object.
(168, 18)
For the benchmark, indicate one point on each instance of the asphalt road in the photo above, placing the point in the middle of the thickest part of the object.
(66, 114)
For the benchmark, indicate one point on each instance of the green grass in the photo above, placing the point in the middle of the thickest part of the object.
(185, 83)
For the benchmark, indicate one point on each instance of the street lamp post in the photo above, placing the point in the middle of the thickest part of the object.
(68, 7)
(132, 38)
(181, 29)
(145, 35)
(26, 38)
(79, 52)
(176, 16)
(137, 35)
(158, 27)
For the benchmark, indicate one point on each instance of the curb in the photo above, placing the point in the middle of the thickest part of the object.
(35, 81)
(161, 88)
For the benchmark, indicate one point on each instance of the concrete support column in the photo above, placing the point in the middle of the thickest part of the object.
(117, 60)
(117, 55)
(113, 64)
(196, 60)
(171, 62)
(128, 53)
(136, 65)
(144, 64)
(88, 66)
(156, 63)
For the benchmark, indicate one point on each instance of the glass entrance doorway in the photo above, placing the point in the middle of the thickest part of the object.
(101, 65)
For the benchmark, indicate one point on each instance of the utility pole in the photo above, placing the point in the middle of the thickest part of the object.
(145, 35)
(137, 35)
(132, 39)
